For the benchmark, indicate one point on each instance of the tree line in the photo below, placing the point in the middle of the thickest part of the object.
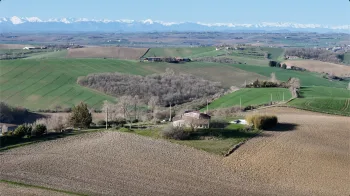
(167, 88)
(316, 54)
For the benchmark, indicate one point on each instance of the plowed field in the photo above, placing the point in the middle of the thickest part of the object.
(307, 155)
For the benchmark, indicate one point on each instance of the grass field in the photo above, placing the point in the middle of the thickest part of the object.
(46, 83)
(306, 78)
(219, 141)
(181, 52)
(107, 52)
(251, 96)
(324, 99)
(40, 84)
(57, 54)
(347, 58)
(276, 54)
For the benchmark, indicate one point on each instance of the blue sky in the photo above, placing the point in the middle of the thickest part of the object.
(332, 12)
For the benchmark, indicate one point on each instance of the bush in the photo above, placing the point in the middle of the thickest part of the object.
(39, 130)
(101, 122)
(262, 121)
(218, 123)
(54, 123)
(177, 133)
(22, 131)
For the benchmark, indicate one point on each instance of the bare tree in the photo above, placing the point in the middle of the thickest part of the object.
(274, 78)
(349, 86)
(152, 104)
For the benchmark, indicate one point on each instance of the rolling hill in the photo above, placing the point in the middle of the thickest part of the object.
(46, 83)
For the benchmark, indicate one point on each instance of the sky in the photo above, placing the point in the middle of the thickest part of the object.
(326, 12)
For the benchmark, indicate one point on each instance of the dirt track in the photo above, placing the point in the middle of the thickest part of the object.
(313, 159)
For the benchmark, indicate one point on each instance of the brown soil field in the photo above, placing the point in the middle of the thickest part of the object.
(321, 67)
(14, 190)
(307, 154)
(12, 46)
(107, 52)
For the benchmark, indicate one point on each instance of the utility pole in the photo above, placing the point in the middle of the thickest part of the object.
(283, 96)
(170, 113)
(107, 117)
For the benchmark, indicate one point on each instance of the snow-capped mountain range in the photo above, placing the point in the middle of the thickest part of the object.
(30, 24)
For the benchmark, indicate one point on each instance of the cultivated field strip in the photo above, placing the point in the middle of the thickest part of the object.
(309, 152)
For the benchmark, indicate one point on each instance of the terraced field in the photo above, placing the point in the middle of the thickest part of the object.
(325, 100)
(46, 83)
(251, 96)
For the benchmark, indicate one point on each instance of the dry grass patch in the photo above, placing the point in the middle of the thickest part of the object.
(321, 67)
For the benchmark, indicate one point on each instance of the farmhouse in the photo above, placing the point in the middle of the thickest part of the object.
(193, 119)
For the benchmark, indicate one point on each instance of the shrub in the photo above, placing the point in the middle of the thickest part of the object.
(54, 123)
(177, 133)
(218, 123)
(39, 130)
(284, 66)
(262, 121)
(22, 131)
(101, 122)
(80, 116)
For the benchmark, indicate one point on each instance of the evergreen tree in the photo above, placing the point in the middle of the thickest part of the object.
(80, 116)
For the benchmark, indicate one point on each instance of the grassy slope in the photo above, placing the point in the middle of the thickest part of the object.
(39, 84)
(324, 99)
(45, 83)
(179, 52)
(251, 96)
(58, 54)
(306, 78)
(276, 53)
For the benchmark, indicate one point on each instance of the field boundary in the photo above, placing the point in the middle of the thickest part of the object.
(39, 187)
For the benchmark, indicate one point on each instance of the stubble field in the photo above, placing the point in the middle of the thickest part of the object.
(306, 155)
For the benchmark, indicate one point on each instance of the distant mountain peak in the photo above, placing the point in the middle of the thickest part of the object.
(16, 23)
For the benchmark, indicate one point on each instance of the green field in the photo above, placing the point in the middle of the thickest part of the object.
(46, 83)
(324, 99)
(276, 54)
(42, 84)
(306, 78)
(57, 54)
(251, 96)
(347, 58)
(179, 52)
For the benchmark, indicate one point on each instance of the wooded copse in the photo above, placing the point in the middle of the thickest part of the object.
(161, 89)
(316, 54)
